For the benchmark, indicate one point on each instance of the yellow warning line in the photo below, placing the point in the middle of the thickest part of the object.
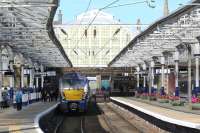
(14, 129)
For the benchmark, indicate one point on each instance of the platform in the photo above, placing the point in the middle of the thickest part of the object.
(22, 121)
(187, 120)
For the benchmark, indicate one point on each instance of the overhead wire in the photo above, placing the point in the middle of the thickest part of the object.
(91, 22)
(106, 7)
(110, 6)
(128, 4)
(88, 6)
(120, 5)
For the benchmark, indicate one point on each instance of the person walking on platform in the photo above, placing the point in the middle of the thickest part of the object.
(43, 94)
(19, 99)
(94, 95)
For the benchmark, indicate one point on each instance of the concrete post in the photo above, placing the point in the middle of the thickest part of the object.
(22, 76)
(176, 59)
(162, 75)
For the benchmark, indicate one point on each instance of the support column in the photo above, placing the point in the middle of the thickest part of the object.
(31, 78)
(152, 76)
(1, 78)
(144, 76)
(11, 81)
(150, 79)
(162, 90)
(22, 76)
(12, 76)
(189, 74)
(176, 59)
(197, 74)
(197, 55)
(42, 77)
(138, 77)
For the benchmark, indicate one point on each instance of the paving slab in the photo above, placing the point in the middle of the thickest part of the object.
(14, 121)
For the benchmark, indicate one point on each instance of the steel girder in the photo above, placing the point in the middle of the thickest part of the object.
(166, 34)
(26, 26)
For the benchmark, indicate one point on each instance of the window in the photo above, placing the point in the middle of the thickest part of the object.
(95, 32)
(85, 33)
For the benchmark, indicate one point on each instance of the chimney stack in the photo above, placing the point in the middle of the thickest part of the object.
(166, 8)
(138, 27)
(60, 15)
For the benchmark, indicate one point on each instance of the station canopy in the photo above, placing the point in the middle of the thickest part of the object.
(177, 32)
(26, 26)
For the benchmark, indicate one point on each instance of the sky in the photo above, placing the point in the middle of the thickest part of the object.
(126, 14)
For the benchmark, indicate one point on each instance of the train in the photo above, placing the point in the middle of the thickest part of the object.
(74, 90)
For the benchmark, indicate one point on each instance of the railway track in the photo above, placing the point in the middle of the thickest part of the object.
(100, 119)
(71, 124)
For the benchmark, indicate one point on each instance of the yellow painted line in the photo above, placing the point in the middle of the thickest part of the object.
(14, 129)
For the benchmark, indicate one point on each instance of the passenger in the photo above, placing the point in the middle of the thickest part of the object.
(11, 91)
(51, 94)
(94, 95)
(19, 99)
(43, 94)
(5, 98)
(121, 89)
(104, 93)
(56, 94)
(48, 96)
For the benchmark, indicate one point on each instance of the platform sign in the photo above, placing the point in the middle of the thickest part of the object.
(48, 73)
(51, 73)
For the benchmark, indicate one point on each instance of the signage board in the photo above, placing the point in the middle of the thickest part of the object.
(48, 73)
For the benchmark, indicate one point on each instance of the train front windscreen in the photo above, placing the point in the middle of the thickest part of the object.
(73, 83)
